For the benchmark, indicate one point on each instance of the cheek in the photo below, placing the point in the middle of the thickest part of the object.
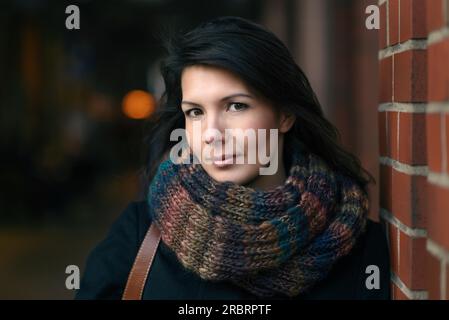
(257, 120)
(194, 138)
(189, 135)
(188, 132)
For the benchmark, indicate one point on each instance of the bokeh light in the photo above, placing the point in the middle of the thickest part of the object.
(138, 104)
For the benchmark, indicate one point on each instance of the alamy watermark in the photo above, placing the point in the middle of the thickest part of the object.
(72, 282)
(233, 149)
(73, 19)
(373, 20)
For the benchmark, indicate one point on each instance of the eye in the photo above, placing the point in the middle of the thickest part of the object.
(237, 106)
(193, 113)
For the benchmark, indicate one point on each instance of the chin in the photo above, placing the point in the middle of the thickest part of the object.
(238, 174)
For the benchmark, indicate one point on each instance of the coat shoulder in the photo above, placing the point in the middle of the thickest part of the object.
(109, 262)
(349, 277)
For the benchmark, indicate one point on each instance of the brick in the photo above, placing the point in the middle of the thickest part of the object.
(394, 252)
(412, 138)
(418, 202)
(447, 23)
(413, 20)
(410, 76)
(382, 121)
(393, 134)
(438, 217)
(386, 79)
(383, 26)
(447, 282)
(438, 71)
(433, 277)
(409, 194)
(408, 258)
(412, 261)
(435, 15)
(433, 138)
(447, 139)
(385, 186)
(393, 21)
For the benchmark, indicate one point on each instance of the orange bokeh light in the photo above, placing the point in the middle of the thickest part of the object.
(138, 104)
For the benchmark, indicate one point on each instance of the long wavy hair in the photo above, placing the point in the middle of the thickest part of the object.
(260, 59)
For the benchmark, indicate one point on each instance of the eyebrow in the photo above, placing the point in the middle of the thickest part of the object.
(222, 99)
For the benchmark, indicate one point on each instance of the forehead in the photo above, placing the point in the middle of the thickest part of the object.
(200, 78)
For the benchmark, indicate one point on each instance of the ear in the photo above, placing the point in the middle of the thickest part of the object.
(286, 122)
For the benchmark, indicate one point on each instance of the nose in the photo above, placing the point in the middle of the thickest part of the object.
(209, 138)
(213, 132)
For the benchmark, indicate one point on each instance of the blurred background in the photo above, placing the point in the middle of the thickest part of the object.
(73, 105)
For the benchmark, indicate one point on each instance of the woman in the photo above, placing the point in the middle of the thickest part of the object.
(229, 230)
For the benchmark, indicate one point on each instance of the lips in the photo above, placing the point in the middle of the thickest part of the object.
(223, 157)
(224, 160)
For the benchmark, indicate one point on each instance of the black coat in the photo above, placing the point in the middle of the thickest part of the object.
(109, 263)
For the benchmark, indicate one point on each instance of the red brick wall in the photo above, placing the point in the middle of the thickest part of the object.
(414, 144)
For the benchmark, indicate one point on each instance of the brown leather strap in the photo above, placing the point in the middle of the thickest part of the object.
(139, 272)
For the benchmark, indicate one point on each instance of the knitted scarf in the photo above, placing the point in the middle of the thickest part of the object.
(272, 242)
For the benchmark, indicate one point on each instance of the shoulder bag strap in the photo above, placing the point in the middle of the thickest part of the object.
(139, 272)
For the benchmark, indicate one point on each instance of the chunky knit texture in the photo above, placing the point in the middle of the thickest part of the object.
(273, 242)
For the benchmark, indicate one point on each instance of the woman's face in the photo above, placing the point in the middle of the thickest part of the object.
(213, 100)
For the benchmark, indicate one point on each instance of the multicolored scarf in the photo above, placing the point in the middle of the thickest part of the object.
(280, 241)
